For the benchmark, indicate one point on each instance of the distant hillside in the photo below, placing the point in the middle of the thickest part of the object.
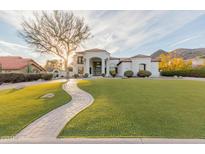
(189, 53)
(156, 54)
(181, 52)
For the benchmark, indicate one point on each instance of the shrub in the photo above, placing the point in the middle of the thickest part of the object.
(15, 78)
(144, 73)
(76, 76)
(33, 77)
(5, 77)
(85, 75)
(103, 74)
(195, 72)
(46, 76)
(12, 77)
(128, 73)
(113, 73)
(20, 77)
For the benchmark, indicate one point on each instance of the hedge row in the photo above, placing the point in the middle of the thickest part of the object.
(185, 73)
(20, 77)
(141, 73)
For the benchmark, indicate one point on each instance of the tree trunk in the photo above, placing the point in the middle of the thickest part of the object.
(66, 68)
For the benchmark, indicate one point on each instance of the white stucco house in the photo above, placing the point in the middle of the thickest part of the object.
(96, 62)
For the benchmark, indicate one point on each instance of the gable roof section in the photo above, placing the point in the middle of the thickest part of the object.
(94, 50)
(125, 60)
(114, 58)
(15, 63)
(156, 60)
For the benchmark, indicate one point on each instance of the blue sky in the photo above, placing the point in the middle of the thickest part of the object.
(122, 33)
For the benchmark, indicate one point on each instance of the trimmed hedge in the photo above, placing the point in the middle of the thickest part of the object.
(113, 73)
(86, 75)
(46, 76)
(128, 73)
(20, 77)
(144, 73)
(197, 72)
(76, 76)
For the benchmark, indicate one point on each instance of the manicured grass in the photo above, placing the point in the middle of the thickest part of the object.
(141, 108)
(18, 108)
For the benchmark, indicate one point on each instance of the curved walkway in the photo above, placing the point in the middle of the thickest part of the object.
(50, 125)
(47, 128)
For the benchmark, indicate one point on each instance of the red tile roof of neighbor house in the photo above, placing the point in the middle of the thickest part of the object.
(15, 63)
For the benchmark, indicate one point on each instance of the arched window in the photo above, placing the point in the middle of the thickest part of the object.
(142, 67)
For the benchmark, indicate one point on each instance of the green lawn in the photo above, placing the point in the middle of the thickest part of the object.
(18, 108)
(141, 108)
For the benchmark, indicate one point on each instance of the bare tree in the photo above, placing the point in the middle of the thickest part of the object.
(56, 32)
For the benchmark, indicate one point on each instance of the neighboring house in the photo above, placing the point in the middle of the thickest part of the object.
(96, 62)
(16, 64)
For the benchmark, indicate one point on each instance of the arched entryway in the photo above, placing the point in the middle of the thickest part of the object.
(95, 66)
(142, 67)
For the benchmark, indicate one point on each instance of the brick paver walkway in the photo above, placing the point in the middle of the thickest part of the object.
(50, 125)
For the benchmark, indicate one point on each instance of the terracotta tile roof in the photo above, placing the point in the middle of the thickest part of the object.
(15, 62)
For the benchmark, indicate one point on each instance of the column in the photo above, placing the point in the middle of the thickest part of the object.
(103, 66)
(87, 66)
(108, 67)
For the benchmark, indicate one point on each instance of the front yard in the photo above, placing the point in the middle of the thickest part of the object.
(141, 108)
(18, 108)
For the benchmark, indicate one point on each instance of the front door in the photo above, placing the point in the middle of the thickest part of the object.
(97, 68)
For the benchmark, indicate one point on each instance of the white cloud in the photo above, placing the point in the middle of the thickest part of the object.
(15, 17)
(184, 40)
(122, 30)
(128, 30)
(13, 49)
(13, 45)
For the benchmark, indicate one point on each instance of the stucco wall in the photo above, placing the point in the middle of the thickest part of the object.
(136, 64)
(33, 69)
(114, 62)
(122, 67)
(104, 56)
(88, 56)
(24, 70)
(155, 69)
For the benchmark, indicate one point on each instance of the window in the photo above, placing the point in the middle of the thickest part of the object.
(142, 67)
(80, 60)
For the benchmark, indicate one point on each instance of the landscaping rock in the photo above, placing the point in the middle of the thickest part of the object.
(49, 95)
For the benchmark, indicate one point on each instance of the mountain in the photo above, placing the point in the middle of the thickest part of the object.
(181, 52)
(157, 53)
(189, 53)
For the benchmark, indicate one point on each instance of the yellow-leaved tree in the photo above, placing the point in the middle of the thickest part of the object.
(170, 63)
